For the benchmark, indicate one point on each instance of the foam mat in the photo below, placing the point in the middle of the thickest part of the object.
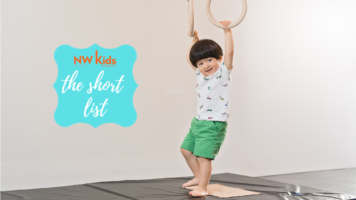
(170, 189)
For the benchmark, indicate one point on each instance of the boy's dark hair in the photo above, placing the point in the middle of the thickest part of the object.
(204, 48)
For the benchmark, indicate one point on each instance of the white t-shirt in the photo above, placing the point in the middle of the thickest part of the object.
(213, 94)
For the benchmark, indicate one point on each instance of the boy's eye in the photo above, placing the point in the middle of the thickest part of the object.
(208, 60)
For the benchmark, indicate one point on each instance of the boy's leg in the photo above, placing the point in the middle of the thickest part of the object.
(205, 174)
(208, 141)
(187, 149)
(192, 162)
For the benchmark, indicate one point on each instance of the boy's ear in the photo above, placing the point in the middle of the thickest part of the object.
(220, 58)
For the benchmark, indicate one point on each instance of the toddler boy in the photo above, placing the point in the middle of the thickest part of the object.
(209, 126)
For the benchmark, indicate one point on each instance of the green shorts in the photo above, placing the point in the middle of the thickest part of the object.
(205, 138)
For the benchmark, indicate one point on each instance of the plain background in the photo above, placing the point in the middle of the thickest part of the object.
(293, 94)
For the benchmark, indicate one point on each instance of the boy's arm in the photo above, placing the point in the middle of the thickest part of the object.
(195, 39)
(229, 49)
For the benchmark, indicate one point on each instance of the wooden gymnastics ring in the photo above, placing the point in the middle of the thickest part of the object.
(233, 24)
(191, 18)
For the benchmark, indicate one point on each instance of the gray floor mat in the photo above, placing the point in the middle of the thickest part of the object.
(170, 189)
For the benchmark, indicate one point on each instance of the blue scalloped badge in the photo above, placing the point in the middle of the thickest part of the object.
(95, 85)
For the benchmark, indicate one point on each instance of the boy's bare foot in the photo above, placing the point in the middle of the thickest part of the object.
(193, 182)
(199, 192)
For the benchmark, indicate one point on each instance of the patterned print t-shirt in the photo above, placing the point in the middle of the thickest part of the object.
(213, 94)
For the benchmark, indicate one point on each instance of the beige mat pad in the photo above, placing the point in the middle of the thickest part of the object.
(223, 191)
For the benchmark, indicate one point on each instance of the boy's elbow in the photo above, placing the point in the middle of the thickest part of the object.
(188, 59)
(229, 53)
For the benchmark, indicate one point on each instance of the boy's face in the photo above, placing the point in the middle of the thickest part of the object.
(208, 66)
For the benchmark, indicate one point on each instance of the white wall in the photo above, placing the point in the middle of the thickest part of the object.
(293, 106)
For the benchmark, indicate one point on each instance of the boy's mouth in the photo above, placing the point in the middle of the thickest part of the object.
(209, 70)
